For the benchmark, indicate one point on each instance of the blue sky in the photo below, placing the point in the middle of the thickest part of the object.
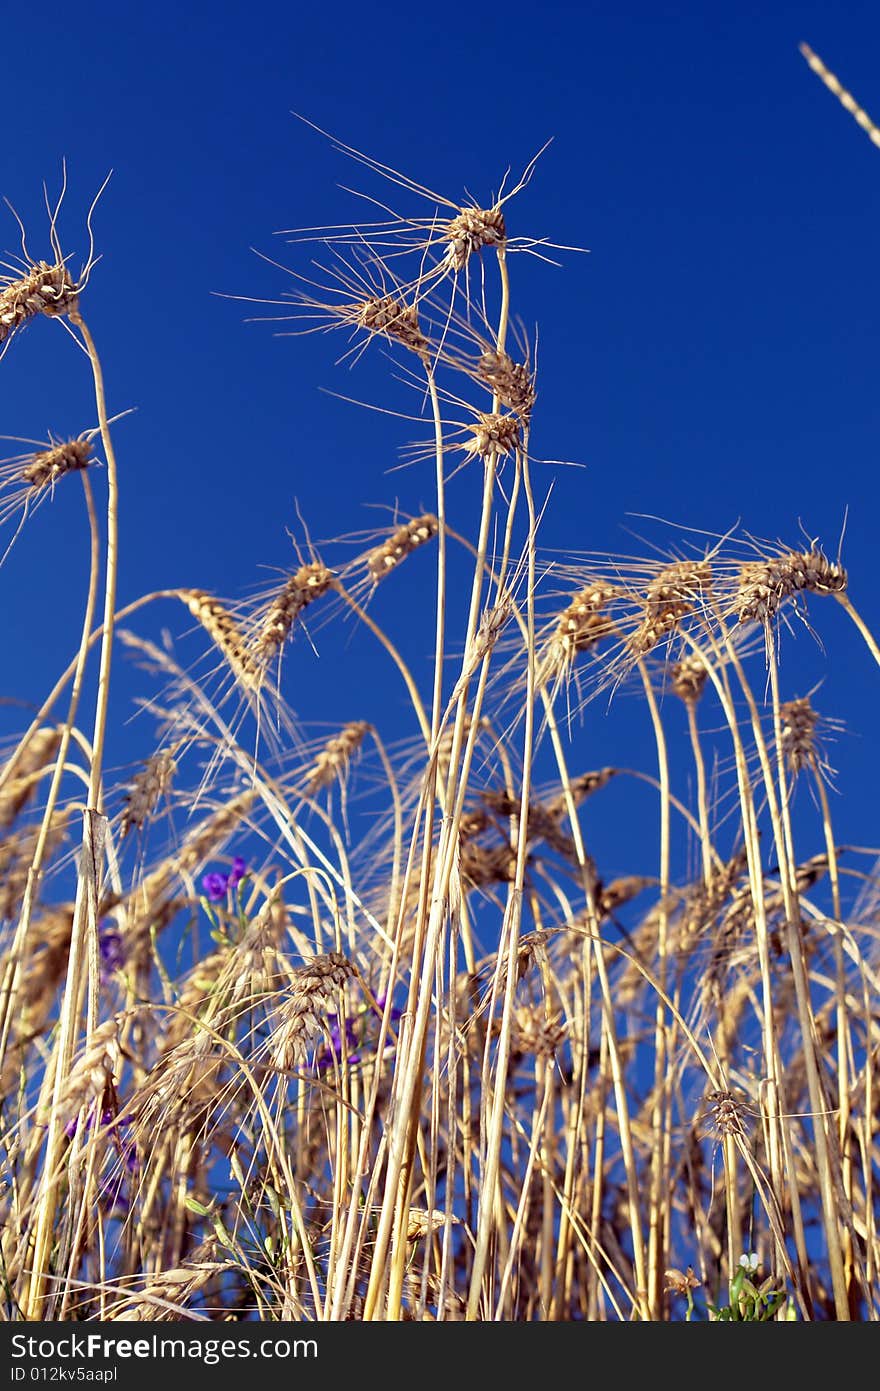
(713, 357)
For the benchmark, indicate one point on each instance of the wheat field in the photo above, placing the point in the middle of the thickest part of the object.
(319, 1023)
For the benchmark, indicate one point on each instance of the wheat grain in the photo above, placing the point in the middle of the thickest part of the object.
(580, 627)
(670, 596)
(44, 289)
(223, 630)
(687, 679)
(24, 771)
(511, 382)
(147, 787)
(303, 1015)
(537, 1033)
(764, 585)
(301, 589)
(493, 436)
(48, 465)
(846, 99)
(93, 1071)
(333, 760)
(408, 538)
(798, 721)
(469, 232)
(390, 317)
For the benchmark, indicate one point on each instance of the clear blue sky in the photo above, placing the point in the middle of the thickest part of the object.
(713, 357)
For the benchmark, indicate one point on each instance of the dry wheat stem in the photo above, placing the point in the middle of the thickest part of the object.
(717, 674)
(407, 1080)
(775, 1086)
(510, 934)
(843, 1026)
(401, 543)
(609, 1026)
(394, 654)
(870, 642)
(663, 1043)
(12, 968)
(425, 949)
(783, 842)
(825, 1156)
(68, 674)
(85, 927)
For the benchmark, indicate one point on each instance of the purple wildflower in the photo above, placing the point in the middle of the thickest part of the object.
(72, 1125)
(111, 950)
(333, 1052)
(379, 1009)
(112, 1194)
(357, 1027)
(216, 885)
